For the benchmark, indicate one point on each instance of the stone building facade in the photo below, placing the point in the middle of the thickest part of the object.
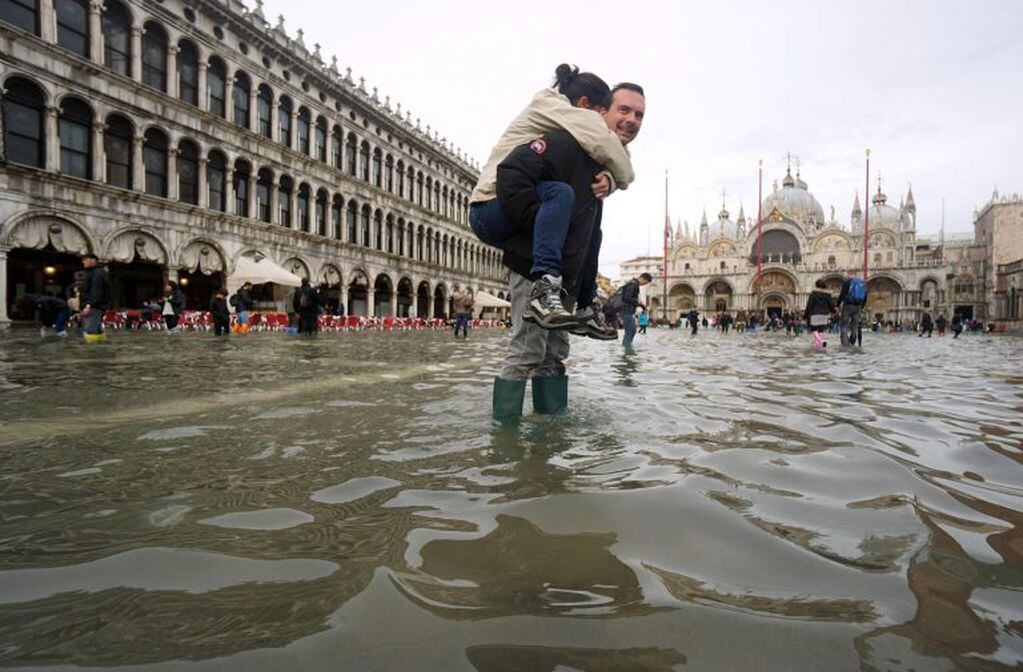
(714, 269)
(172, 138)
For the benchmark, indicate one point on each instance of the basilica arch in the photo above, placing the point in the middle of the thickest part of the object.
(884, 297)
(718, 296)
(778, 245)
(681, 298)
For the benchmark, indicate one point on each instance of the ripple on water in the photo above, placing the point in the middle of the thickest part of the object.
(354, 489)
(267, 519)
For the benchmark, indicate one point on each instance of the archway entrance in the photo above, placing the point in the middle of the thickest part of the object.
(423, 299)
(883, 299)
(718, 296)
(202, 274)
(137, 283)
(330, 284)
(358, 289)
(439, 302)
(773, 305)
(681, 299)
(405, 297)
(382, 296)
(45, 271)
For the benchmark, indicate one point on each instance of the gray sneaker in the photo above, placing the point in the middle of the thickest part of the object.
(545, 307)
(592, 324)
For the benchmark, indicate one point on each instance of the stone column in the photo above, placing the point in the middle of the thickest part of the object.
(204, 192)
(99, 155)
(172, 70)
(294, 129)
(172, 173)
(47, 21)
(138, 168)
(136, 52)
(253, 179)
(293, 207)
(275, 216)
(253, 111)
(344, 298)
(229, 97)
(96, 31)
(52, 139)
(370, 301)
(3, 285)
(394, 302)
(229, 189)
(275, 131)
(201, 83)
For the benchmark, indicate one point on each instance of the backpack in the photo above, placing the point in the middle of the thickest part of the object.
(616, 304)
(857, 294)
(233, 300)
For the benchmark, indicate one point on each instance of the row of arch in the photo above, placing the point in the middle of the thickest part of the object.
(144, 50)
(121, 155)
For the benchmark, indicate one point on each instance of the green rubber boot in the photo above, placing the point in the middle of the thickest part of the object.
(508, 396)
(550, 394)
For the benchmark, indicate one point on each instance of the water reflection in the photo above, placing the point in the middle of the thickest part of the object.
(346, 503)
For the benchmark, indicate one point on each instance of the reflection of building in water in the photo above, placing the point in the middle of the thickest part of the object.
(173, 138)
(714, 268)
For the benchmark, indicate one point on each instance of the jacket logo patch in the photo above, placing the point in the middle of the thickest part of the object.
(539, 146)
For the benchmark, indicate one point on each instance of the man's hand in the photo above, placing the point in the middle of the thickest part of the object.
(601, 186)
(86, 310)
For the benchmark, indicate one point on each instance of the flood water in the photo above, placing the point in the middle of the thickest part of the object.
(735, 502)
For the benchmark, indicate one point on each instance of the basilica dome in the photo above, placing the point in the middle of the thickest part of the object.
(794, 201)
(722, 227)
(882, 214)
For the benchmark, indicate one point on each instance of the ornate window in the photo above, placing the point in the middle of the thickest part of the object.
(378, 229)
(303, 130)
(364, 161)
(284, 201)
(188, 172)
(264, 105)
(241, 188)
(75, 129)
(216, 175)
(117, 38)
(154, 156)
(352, 147)
(320, 140)
(389, 174)
(154, 56)
(390, 234)
(321, 212)
(240, 93)
(117, 147)
(303, 207)
(264, 184)
(284, 121)
(216, 83)
(188, 73)
(365, 226)
(335, 147)
(377, 169)
(351, 223)
(21, 14)
(335, 216)
(73, 25)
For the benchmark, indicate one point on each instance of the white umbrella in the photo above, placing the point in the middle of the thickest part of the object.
(247, 269)
(482, 300)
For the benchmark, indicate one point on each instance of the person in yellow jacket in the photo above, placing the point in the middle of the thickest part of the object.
(571, 106)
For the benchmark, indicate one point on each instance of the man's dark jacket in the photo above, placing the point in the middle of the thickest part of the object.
(630, 296)
(555, 156)
(96, 288)
(312, 300)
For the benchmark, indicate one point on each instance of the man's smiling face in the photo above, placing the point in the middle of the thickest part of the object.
(625, 116)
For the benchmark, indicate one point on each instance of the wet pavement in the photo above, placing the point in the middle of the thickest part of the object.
(345, 503)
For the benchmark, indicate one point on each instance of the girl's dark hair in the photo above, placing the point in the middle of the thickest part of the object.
(574, 85)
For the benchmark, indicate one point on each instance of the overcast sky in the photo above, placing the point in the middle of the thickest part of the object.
(933, 88)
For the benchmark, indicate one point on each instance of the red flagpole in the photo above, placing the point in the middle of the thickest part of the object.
(667, 228)
(866, 218)
(760, 222)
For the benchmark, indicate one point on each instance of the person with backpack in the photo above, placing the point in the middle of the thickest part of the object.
(630, 301)
(851, 300)
(307, 306)
(241, 301)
